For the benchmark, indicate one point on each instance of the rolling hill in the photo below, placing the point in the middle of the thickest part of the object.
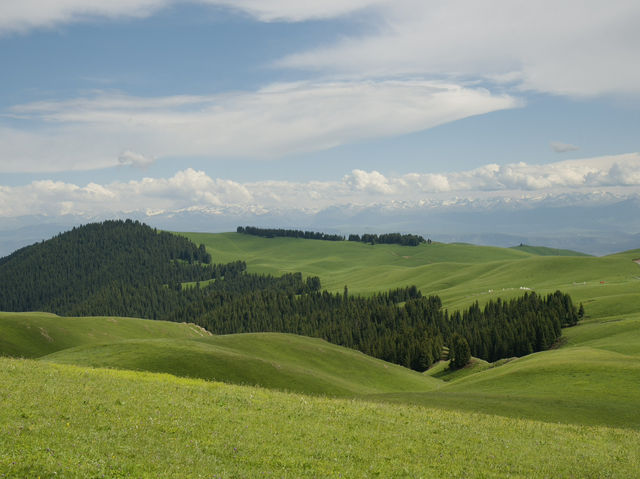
(567, 412)
(459, 273)
(281, 361)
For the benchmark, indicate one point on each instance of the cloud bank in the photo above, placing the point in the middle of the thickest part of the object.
(574, 47)
(192, 190)
(281, 119)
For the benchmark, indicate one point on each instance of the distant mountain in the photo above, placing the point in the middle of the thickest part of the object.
(592, 223)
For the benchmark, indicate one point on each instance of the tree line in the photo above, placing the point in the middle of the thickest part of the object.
(386, 238)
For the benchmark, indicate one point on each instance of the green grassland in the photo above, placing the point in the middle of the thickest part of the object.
(32, 335)
(592, 379)
(71, 422)
(544, 251)
(567, 412)
(279, 361)
(459, 273)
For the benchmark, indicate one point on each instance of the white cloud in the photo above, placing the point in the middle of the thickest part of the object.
(190, 190)
(373, 182)
(296, 10)
(22, 15)
(560, 147)
(574, 47)
(280, 119)
(131, 158)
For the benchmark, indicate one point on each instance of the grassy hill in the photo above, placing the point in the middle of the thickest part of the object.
(459, 273)
(67, 421)
(589, 380)
(544, 251)
(280, 361)
(433, 424)
(32, 335)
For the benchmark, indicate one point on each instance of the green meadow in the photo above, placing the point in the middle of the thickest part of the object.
(74, 422)
(459, 273)
(124, 397)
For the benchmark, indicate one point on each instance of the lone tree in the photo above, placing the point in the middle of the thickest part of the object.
(459, 352)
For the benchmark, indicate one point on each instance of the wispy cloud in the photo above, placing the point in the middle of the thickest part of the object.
(560, 147)
(574, 47)
(23, 15)
(131, 158)
(277, 120)
(195, 190)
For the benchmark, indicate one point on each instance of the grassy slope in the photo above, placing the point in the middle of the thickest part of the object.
(591, 380)
(544, 251)
(66, 421)
(280, 361)
(32, 335)
(607, 347)
(458, 273)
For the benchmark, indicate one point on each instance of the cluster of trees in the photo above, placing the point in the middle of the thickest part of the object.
(387, 238)
(278, 232)
(390, 238)
(129, 269)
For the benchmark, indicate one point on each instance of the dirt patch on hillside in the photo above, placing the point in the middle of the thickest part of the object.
(198, 329)
(46, 335)
(637, 261)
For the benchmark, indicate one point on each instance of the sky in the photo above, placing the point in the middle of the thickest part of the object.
(260, 110)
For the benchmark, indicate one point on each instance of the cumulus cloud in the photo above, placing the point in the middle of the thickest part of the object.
(280, 119)
(370, 182)
(560, 147)
(190, 190)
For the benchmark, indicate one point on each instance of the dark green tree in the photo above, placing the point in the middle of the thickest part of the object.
(459, 352)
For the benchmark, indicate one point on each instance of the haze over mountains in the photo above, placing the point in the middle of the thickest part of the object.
(596, 224)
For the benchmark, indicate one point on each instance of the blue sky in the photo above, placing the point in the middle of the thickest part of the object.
(159, 105)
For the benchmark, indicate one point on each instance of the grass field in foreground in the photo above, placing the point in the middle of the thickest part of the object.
(592, 380)
(66, 422)
(459, 273)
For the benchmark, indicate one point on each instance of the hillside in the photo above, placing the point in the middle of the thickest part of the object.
(125, 268)
(277, 361)
(66, 421)
(549, 386)
(545, 251)
(98, 261)
(458, 273)
(33, 335)
(280, 361)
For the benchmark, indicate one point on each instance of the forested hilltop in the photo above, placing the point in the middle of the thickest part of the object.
(63, 272)
(125, 268)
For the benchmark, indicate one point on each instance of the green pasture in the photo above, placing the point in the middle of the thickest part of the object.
(459, 273)
(72, 422)
(32, 335)
(92, 404)
(279, 361)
